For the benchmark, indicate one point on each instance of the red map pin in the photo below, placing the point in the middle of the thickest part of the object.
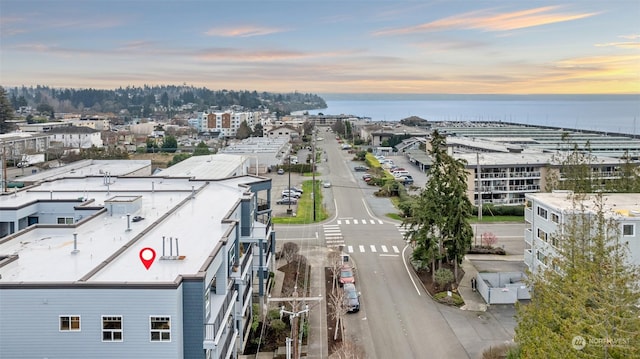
(147, 256)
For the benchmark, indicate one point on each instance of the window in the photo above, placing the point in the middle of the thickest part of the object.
(111, 328)
(542, 212)
(555, 218)
(628, 230)
(69, 323)
(65, 220)
(542, 234)
(160, 329)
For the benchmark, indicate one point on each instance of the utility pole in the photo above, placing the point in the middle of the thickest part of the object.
(295, 341)
(313, 168)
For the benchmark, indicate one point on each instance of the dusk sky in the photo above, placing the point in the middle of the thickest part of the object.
(348, 46)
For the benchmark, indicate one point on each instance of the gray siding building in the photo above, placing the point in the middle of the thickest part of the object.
(78, 279)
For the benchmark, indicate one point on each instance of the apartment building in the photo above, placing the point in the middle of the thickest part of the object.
(545, 213)
(149, 267)
(226, 123)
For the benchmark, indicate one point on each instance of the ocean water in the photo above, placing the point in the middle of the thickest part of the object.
(597, 113)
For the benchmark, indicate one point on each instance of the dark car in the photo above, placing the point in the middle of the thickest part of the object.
(287, 200)
(351, 298)
(360, 168)
(137, 219)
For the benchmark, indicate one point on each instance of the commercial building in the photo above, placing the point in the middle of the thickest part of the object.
(546, 213)
(79, 277)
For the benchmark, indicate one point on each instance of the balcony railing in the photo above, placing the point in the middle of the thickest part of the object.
(211, 329)
(528, 215)
(528, 235)
(262, 204)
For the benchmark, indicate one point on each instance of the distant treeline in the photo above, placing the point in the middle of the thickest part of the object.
(143, 101)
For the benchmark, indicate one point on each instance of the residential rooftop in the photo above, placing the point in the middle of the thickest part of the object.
(108, 247)
(624, 204)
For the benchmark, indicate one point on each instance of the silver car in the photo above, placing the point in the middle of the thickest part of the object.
(351, 298)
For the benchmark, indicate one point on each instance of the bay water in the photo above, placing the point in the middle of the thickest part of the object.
(608, 113)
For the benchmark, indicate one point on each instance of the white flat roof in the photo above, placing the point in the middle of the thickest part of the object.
(45, 254)
(503, 159)
(207, 167)
(90, 168)
(624, 204)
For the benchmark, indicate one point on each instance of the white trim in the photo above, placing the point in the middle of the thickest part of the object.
(70, 328)
(160, 331)
(121, 331)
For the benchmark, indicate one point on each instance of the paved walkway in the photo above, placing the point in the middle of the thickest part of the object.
(473, 301)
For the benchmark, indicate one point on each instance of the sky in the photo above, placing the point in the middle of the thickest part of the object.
(325, 46)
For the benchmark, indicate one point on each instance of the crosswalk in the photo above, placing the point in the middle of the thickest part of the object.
(358, 221)
(373, 249)
(333, 238)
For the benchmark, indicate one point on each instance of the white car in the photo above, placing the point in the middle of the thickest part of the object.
(290, 193)
(327, 184)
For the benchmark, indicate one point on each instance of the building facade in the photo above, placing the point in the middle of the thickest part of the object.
(546, 213)
(106, 267)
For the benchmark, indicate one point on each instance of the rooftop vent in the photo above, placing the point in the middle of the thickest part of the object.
(171, 256)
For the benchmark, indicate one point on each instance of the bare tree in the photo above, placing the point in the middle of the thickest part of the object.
(335, 262)
(338, 310)
(289, 251)
(348, 350)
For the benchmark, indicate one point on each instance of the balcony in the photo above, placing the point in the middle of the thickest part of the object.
(528, 214)
(528, 235)
(528, 258)
(213, 329)
(263, 205)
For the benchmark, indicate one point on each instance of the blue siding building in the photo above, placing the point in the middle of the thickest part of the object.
(73, 283)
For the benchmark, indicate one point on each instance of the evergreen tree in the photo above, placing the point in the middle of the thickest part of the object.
(244, 131)
(170, 144)
(588, 295)
(6, 112)
(438, 224)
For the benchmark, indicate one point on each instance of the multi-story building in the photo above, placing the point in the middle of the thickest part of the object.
(226, 123)
(546, 213)
(107, 267)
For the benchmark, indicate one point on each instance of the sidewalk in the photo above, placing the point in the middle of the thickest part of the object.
(473, 301)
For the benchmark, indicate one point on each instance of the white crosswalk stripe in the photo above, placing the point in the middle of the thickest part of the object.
(355, 221)
(384, 249)
(350, 249)
(361, 247)
(373, 248)
(395, 249)
(346, 221)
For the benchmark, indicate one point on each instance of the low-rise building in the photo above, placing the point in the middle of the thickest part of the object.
(546, 213)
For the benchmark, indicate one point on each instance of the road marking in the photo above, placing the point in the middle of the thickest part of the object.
(384, 249)
(372, 221)
(373, 248)
(361, 249)
(339, 222)
(346, 221)
(380, 221)
(388, 255)
(336, 241)
(395, 249)
(350, 249)
(404, 260)
(355, 221)
(331, 226)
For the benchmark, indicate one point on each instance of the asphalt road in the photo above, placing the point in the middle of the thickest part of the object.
(397, 318)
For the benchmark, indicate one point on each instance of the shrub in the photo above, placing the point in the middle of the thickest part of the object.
(444, 298)
(277, 325)
(443, 276)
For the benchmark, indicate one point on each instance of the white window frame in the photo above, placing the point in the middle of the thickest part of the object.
(70, 319)
(633, 229)
(158, 318)
(66, 220)
(121, 330)
(546, 212)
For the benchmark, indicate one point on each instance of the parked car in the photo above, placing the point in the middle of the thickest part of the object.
(366, 175)
(297, 189)
(327, 184)
(360, 168)
(351, 298)
(346, 275)
(280, 171)
(290, 193)
(137, 219)
(406, 179)
(287, 200)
